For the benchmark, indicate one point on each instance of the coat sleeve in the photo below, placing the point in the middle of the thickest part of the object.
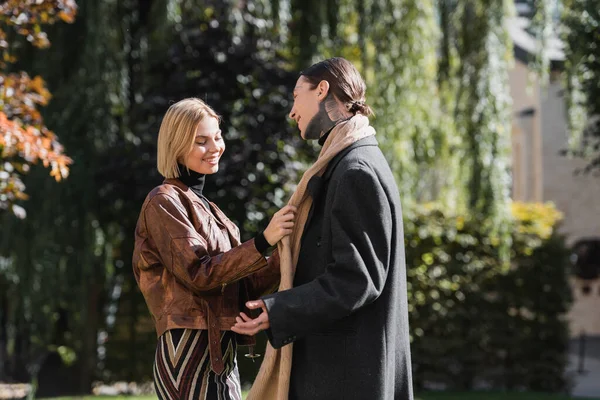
(267, 279)
(184, 252)
(361, 232)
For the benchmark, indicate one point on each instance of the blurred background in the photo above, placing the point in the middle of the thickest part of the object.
(488, 112)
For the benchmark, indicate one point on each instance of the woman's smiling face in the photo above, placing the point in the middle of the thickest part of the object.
(207, 149)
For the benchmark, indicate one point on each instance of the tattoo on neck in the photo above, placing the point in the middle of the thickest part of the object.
(327, 117)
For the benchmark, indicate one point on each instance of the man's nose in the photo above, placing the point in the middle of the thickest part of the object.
(292, 114)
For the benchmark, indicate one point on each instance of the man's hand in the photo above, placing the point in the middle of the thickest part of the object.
(247, 326)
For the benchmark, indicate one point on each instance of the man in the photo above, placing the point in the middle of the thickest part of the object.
(347, 313)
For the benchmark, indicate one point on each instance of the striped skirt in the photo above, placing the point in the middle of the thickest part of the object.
(182, 367)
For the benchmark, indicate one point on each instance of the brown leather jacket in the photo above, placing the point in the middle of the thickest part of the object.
(191, 267)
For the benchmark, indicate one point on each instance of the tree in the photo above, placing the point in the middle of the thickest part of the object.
(436, 73)
(394, 45)
(477, 53)
(407, 99)
(24, 139)
(444, 121)
(581, 35)
(67, 276)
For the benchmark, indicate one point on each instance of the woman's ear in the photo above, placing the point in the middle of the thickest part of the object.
(322, 90)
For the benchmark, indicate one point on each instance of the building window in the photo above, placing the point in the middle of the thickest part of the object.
(586, 262)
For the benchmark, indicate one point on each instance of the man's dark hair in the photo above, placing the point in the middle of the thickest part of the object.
(345, 83)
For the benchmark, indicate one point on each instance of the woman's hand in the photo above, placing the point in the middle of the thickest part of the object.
(281, 225)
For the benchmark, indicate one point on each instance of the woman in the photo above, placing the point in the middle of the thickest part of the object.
(190, 265)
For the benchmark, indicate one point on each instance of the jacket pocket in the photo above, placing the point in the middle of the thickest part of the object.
(182, 301)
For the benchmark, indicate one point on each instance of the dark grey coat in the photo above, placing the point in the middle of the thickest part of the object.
(347, 313)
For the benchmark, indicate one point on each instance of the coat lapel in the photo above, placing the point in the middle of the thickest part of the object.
(368, 141)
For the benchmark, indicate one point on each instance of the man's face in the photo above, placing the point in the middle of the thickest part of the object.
(306, 105)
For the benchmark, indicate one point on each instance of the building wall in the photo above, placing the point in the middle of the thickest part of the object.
(584, 316)
(541, 173)
(526, 139)
(577, 196)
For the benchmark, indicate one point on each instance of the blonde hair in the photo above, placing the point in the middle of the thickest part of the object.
(178, 132)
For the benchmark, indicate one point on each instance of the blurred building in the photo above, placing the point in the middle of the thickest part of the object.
(541, 173)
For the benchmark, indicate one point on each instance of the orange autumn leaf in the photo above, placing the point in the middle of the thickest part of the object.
(24, 139)
(66, 17)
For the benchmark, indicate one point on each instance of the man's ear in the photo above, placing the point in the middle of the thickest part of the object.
(322, 89)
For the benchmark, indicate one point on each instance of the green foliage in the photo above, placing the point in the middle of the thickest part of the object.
(24, 138)
(439, 90)
(543, 15)
(399, 64)
(67, 268)
(581, 35)
(437, 74)
(472, 319)
(402, 79)
(479, 59)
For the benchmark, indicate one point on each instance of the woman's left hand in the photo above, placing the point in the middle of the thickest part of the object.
(247, 326)
(280, 225)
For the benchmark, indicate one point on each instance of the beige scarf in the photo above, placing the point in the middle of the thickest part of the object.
(273, 379)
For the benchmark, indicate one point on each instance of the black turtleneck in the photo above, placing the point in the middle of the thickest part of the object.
(195, 181)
